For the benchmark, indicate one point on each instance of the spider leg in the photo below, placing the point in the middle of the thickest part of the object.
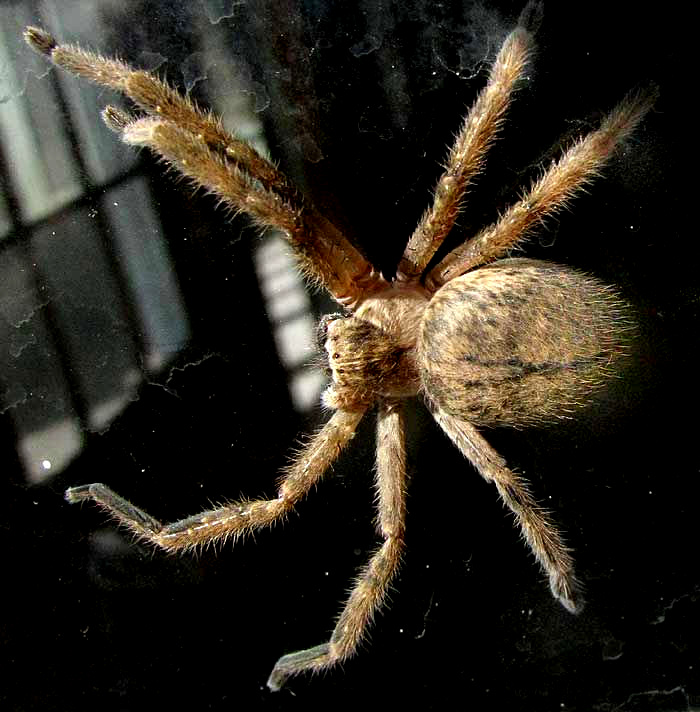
(576, 168)
(323, 252)
(236, 518)
(253, 184)
(467, 156)
(157, 98)
(537, 528)
(372, 584)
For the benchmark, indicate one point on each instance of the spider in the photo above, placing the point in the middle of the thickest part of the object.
(484, 338)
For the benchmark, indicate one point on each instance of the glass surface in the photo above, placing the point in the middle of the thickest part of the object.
(152, 341)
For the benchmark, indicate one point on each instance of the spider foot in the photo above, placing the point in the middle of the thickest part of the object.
(73, 495)
(122, 509)
(116, 119)
(40, 40)
(568, 592)
(310, 659)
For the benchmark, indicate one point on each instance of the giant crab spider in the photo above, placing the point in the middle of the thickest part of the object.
(486, 340)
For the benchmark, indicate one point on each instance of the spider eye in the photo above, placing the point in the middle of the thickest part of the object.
(322, 330)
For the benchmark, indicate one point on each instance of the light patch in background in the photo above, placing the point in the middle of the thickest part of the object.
(293, 324)
(49, 450)
(240, 102)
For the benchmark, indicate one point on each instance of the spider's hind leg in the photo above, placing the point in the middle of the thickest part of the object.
(537, 528)
(565, 178)
(468, 154)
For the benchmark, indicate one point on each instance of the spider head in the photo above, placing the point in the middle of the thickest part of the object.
(364, 363)
(322, 336)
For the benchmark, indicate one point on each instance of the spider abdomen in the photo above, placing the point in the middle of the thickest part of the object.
(519, 342)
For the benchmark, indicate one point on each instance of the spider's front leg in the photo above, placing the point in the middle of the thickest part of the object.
(236, 518)
(538, 530)
(372, 584)
(196, 144)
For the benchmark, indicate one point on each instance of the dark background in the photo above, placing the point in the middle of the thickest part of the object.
(361, 101)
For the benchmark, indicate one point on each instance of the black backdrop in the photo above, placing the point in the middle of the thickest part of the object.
(363, 100)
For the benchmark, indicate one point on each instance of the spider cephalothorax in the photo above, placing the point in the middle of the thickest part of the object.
(372, 354)
(486, 340)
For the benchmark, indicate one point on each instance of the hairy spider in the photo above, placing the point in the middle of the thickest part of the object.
(486, 340)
